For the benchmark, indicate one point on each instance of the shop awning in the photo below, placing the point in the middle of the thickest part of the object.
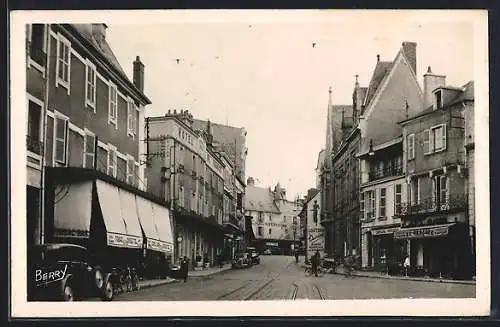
(116, 230)
(423, 231)
(145, 213)
(162, 221)
(128, 206)
(72, 210)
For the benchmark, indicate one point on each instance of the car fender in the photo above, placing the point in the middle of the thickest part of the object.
(67, 279)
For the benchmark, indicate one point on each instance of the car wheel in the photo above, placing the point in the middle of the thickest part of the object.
(98, 278)
(107, 293)
(68, 294)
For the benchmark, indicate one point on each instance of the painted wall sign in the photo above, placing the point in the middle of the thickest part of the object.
(124, 241)
(315, 239)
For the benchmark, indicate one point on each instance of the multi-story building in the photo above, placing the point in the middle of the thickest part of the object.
(275, 220)
(186, 170)
(84, 132)
(435, 218)
(382, 192)
(232, 141)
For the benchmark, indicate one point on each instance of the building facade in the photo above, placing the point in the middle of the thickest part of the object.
(382, 192)
(314, 232)
(83, 150)
(187, 171)
(435, 218)
(275, 220)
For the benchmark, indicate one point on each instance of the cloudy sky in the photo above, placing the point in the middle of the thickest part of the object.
(262, 72)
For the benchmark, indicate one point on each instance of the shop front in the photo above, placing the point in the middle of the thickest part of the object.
(438, 250)
(119, 224)
(385, 251)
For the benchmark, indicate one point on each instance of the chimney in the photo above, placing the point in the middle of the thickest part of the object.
(139, 74)
(431, 82)
(250, 182)
(410, 52)
(99, 32)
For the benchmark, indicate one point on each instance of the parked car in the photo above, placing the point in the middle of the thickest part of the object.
(65, 272)
(254, 255)
(267, 252)
(241, 260)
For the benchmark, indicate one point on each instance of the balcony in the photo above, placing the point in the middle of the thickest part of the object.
(34, 144)
(455, 202)
(375, 174)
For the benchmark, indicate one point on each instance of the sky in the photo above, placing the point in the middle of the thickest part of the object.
(265, 74)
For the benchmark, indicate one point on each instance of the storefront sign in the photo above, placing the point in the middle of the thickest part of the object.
(272, 243)
(422, 232)
(124, 241)
(384, 231)
(71, 233)
(159, 246)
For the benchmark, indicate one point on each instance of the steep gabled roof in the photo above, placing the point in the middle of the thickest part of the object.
(260, 199)
(381, 70)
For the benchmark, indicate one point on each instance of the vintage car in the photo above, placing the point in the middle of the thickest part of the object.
(241, 260)
(254, 255)
(267, 252)
(65, 272)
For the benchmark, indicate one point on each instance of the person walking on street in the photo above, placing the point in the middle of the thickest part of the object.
(315, 263)
(185, 268)
(406, 265)
(296, 256)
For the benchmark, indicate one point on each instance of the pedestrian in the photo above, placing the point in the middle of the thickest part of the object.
(185, 268)
(315, 263)
(296, 256)
(406, 265)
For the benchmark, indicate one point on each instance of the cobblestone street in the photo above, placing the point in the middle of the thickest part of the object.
(280, 278)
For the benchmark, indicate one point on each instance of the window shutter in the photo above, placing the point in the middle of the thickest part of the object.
(443, 130)
(434, 191)
(427, 137)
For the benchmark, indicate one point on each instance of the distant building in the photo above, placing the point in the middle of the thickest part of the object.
(231, 140)
(436, 223)
(275, 220)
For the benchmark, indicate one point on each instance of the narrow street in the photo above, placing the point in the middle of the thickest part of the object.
(280, 278)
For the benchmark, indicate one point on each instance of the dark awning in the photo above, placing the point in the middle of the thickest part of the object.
(423, 231)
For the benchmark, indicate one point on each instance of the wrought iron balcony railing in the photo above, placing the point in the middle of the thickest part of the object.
(430, 205)
(375, 174)
(34, 144)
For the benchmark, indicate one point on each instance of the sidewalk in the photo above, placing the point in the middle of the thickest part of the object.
(154, 282)
(209, 271)
(377, 274)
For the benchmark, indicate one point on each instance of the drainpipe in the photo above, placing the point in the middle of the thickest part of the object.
(44, 137)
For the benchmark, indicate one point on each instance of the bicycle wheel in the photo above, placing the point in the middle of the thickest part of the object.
(308, 271)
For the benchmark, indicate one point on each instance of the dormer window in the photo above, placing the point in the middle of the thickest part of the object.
(438, 100)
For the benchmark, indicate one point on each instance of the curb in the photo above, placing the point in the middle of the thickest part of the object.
(429, 280)
(211, 273)
(151, 284)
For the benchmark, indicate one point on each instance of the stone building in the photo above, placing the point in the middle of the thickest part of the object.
(435, 219)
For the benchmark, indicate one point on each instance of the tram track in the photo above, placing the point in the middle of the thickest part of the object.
(320, 293)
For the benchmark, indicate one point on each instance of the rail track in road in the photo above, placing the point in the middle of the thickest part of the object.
(294, 292)
(320, 293)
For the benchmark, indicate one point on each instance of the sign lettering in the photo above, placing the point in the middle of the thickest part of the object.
(384, 231)
(315, 239)
(49, 276)
(421, 233)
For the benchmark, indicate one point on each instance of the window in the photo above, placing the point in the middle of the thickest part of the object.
(382, 202)
(435, 139)
(131, 118)
(181, 196)
(439, 102)
(270, 217)
(130, 169)
(113, 105)
(89, 150)
(112, 162)
(60, 137)
(260, 231)
(34, 127)
(261, 219)
(410, 147)
(90, 84)
(415, 191)
(270, 231)
(362, 205)
(37, 46)
(443, 189)
(63, 63)
(397, 199)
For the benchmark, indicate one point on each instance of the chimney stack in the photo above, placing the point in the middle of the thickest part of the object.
(431, 82)
(410, 52)
(99, 32)
(139, 74)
